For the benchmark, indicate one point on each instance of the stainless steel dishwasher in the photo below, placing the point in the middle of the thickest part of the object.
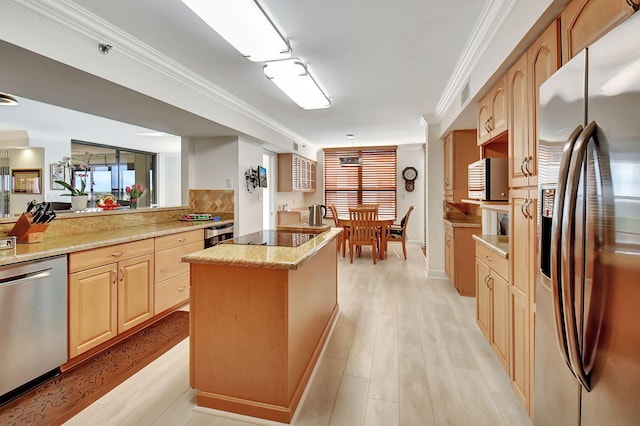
(33, 321)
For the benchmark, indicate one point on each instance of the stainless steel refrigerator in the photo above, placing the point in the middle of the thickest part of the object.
(587, 339)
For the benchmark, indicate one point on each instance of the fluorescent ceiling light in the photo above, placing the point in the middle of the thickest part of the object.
(6, 99)
(245, 25)
(294, 79)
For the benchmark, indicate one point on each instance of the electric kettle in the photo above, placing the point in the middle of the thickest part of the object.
(316, 213)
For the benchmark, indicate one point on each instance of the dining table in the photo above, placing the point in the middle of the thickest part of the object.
(344, 221)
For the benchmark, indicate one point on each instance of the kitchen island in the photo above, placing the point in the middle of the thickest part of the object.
(260, 316)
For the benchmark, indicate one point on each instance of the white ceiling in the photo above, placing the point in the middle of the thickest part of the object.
(383, 64)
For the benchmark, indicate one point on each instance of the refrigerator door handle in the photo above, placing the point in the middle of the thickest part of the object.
(556, 250)
(568, 260)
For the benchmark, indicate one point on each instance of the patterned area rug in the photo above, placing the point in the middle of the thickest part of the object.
(65, 395)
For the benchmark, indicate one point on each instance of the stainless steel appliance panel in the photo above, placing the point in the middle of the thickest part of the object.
(33, 320)
(589, 297)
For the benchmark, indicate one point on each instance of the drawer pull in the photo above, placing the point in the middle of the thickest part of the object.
(489, 258)
(182, 240)
(117, 253)
(181, 289)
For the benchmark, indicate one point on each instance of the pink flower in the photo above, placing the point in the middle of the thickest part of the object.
(128, 189)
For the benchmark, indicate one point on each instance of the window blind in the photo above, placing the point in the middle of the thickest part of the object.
(373, 182)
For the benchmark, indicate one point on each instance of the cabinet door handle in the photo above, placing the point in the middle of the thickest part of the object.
(115, 276)
(117, 253)
(121, 274)
(529, 202)
(489, 122)
(182, 240)
(633, 5)
(522, 206)
(181, 289)
(488, 281)
(526, 165)
(524, 172)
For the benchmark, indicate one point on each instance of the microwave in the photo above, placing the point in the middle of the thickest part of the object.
(489, 180)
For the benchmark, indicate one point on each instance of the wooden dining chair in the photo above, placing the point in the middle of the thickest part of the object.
(342, 239)
(363, 230)
(398, 232)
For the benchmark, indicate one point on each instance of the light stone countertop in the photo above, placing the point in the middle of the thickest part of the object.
(497, 243)
(65, 244)
(461, 223)
(303, 227)
(259, 256)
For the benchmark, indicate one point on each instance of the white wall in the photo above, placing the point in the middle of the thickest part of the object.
(168, 171)
(411, 155)
(435, 198)
(54, 151)
(249, 204)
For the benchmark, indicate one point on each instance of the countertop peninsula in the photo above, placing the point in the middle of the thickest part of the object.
(57, 244)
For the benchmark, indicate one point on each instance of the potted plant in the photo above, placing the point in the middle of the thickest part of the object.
(79, 197)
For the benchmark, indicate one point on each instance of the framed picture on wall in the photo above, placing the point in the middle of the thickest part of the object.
(26, 181)
(58, 172)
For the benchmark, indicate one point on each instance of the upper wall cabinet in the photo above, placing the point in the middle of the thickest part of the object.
(584, 21)
(517, 81)
(459, 150)
(296, 173)
(524, 80)
(492, 113)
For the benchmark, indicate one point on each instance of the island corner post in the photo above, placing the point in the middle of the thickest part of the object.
(257, 332)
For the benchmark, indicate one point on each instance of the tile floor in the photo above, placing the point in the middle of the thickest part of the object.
(405, 351)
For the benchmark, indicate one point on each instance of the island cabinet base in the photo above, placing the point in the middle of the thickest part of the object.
(257, 333)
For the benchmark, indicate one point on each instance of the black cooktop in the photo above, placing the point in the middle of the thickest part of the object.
(273, 238)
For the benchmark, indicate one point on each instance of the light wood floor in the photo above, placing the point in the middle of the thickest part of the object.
(405, 351)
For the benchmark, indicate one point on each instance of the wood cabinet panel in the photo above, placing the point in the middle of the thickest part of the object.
(493, 260)
(449, 257)
(543, 58)
(168, 263)
(101, 256)
(296, 173)
(135, 292)
(519, 347)
(293, 216)
(460, 150)
(177, 240)
(585, 21)
(492, 113)
(483, 299)
(518, 122)
(500, 318)
(93, 299)
(460, 252)
(170, 293)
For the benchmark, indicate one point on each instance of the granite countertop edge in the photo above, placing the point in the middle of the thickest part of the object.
(268, 257)
(460, 223)
(66, 244)
(497, 243)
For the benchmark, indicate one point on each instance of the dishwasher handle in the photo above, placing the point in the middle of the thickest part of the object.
(18, 279)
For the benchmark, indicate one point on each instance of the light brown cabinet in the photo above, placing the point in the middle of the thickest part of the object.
(110, 291)
(524, 80)
(172, 281)
(287, 217)
(523, 255)
(585, 21)
(459, 150)
(459, 257)
(492, 300)
(296, 173)
(492, 113)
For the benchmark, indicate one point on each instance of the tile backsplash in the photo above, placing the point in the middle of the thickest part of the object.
(215, 201)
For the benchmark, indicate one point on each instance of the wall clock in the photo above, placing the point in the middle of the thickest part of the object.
(409, 174)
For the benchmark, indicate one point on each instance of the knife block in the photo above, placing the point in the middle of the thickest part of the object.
(27, 232)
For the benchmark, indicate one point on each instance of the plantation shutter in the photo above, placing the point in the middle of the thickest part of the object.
(373, 182)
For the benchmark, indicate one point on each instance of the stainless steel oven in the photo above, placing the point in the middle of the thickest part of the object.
(218, 233)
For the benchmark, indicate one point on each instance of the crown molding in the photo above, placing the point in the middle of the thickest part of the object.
(491, 20)
(81, 21)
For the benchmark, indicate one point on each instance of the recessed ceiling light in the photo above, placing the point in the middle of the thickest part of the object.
(156, 134)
